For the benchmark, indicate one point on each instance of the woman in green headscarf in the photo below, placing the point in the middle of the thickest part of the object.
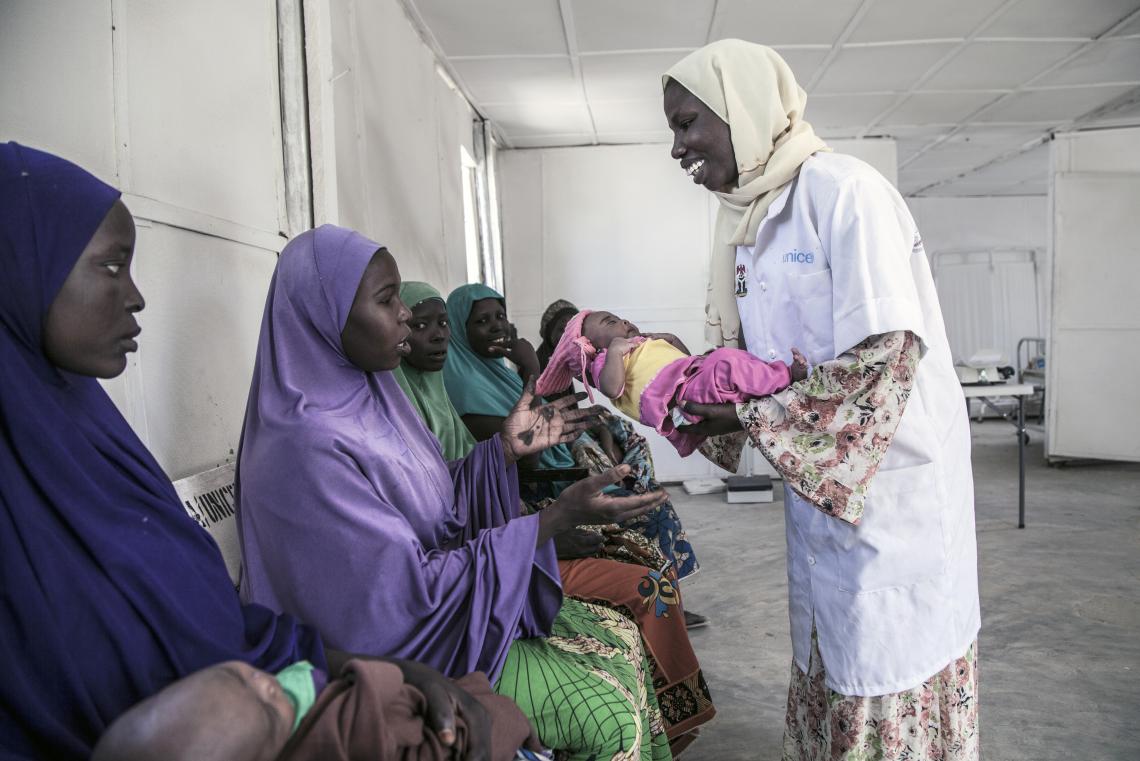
(420, 373)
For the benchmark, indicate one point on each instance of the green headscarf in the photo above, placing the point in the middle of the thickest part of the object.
(481, 386)
(426, 392)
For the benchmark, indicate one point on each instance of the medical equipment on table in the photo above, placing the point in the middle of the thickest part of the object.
(983, 367)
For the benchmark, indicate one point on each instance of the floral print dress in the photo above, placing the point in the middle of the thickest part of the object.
(826, 435)
(657, 537)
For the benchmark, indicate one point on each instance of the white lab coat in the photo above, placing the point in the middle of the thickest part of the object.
(893, 600)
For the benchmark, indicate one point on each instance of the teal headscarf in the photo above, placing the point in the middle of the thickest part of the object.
(478, 385)
(426, 392)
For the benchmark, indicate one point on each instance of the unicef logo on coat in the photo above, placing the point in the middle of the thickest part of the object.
(795, 256)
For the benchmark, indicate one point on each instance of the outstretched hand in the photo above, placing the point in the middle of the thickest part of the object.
(584, 504)
(534, 426)
(715, 419)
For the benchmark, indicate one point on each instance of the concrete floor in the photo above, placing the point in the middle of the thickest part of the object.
(1060, 641)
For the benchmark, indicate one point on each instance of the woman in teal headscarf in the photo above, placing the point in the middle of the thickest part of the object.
(481, 386)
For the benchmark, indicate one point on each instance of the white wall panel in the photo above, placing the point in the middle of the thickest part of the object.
(397, 129)
(56, 80)
(205, 298)
(1093, 404)
(1094, 400)
(201, 86)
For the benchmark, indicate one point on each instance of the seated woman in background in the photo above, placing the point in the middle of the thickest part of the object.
(350, 516)
(645, 595)
(111, 591)
(481, 387)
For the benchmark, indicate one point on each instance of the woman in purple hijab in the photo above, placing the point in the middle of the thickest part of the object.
(109, 590)
(350, 518)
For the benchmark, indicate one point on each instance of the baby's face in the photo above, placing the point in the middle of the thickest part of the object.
(601, 328)
(230, 712)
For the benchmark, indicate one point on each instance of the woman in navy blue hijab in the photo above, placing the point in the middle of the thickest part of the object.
(108, 590)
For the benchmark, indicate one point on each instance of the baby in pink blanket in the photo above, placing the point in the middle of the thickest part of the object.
(650, 375)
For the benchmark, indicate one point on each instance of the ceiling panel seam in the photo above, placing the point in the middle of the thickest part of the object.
(939, 65)
(836, 46)
(1022, 87)
(571, 35)
(712, 21)
(412, 13)
(1128, 98)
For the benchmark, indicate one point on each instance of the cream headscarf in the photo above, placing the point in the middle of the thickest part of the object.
(751, 88)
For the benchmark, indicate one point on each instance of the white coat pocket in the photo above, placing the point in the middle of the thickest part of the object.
(900, 540)
(810, 302)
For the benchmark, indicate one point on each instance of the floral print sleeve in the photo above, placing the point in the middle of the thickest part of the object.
(725, 451)
(827, 434)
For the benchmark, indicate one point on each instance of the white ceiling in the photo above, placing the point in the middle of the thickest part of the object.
(970, 89)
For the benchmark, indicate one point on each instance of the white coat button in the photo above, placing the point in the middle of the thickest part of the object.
(771, 354)
(811, 559)
(763, 285)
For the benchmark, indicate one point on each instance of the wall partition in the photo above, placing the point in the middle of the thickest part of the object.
(1093, 399)
(179, 107)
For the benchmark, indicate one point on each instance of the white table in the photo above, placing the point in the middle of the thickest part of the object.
(988, 392)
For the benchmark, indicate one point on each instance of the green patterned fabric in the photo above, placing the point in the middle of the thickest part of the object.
(587, 688)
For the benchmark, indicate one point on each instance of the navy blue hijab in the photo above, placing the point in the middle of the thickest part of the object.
(109, 591)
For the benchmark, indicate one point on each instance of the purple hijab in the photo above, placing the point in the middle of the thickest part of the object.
(349, 516)
(108, 590)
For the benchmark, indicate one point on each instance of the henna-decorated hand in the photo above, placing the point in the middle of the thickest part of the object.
(584, 504)
(534, 426)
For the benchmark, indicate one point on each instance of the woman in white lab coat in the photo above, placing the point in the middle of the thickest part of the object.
(817, 250)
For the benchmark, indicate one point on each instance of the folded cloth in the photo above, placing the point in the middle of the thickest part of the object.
(370, 713)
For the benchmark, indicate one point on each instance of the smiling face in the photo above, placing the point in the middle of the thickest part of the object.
(229, 711)
(90, 327)
(375, 335)
(430, 334)
(702, 141)
(487, 326)
(601, 328)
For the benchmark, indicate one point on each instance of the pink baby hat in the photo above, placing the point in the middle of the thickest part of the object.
(569, 360)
